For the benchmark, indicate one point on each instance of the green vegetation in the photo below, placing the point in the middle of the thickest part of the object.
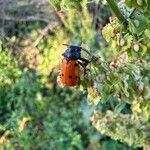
(36, 114)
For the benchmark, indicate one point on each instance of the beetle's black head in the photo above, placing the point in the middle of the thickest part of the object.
(72, 52)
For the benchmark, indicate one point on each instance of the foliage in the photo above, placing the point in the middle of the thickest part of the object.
(123, 78)
(43, 116)
(9, 73)
(37, 114)
(38, 103)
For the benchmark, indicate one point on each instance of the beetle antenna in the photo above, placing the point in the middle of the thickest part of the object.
(86, 50)
(66, 44)
(70, 45)
(93, 57)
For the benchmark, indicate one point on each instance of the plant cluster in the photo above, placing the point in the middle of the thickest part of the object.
(123, 79)
(37, 114)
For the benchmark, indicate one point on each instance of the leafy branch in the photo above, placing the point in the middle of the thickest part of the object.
(116, 11)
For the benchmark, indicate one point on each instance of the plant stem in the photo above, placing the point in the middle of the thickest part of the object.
(116, 11)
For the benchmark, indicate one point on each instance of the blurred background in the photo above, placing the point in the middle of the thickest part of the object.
(35, 113)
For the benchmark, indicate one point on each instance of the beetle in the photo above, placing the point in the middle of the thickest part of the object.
(70, 65)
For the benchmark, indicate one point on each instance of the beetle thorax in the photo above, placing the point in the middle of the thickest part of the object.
(72, 53)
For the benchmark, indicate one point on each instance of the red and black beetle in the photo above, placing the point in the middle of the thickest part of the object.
(70, 65)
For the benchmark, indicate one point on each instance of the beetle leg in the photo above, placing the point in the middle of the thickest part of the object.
(83, 66)
(86, 62)
(93, 57)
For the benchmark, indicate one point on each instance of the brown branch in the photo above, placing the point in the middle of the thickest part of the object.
(24, 19)
(44, 32)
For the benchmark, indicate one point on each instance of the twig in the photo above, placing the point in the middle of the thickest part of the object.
(117, 11)
(23, 19)
(50, 26)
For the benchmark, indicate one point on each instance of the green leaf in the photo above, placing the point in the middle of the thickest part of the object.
(147, 33)
(119, 107)
(56, 4)
(139, 25)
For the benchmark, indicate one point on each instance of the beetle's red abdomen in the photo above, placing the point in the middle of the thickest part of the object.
(70, 72)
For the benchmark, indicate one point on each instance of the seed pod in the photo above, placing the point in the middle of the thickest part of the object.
(136, 47)
(116, 30)
(121, 41)
(140, 2)
(60, 84)
(137, 23)
(112, 18)
(93, 96)
(113, 65)
(123, 57)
